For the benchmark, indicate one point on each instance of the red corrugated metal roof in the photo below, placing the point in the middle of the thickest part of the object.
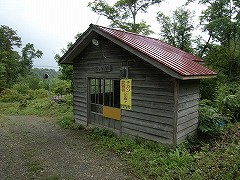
(177, 60)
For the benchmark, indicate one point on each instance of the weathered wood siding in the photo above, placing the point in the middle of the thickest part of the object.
(152, 99)
(152, 103)
(188, 103)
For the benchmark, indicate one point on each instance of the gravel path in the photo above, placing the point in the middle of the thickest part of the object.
(37, 148)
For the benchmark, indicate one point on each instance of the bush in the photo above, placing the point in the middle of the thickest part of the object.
(232, 107)
(228, 101)
(210, 122)
(67, 121)
(68, 99)
(11, 95)
(38, 94)
(21, 88)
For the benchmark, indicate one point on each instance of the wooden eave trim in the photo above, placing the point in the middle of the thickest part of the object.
(78, 47)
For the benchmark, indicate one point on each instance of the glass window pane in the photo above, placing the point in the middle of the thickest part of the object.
(92, 82)
(93, 107)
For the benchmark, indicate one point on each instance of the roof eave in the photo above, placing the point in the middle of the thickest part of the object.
(78, 46)
(199, 77)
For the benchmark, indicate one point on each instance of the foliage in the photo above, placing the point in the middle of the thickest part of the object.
(12, 64)
(228, 100)
(15, 95)
(150, 160)
(10, 95)
(41, 107)
(37, 94)
(67, 120)
(21, 87)
(225, 59)
(68, 99)
(28, 54)
(221, 21)
(123, 13)
(177, 28)
(61, 87)
(208, 88)
(65, 69)
(9, 59)
(211, 123)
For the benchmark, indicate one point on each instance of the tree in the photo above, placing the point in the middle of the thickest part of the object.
(177, 28)
(221, 19)
(9, 38)
(66, 69)
(28, 54)
(123, 14)
(9, 58)
(12, 65)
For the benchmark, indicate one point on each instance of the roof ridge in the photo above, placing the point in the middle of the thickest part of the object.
(122, 30)
(196, 58)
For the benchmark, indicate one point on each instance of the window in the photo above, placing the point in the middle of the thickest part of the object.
(104, 92)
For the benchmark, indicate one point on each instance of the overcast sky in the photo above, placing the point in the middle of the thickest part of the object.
(51, 24)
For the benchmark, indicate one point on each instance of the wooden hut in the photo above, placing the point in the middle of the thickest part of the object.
(135, 85)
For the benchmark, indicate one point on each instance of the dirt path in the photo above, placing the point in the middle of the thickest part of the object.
(37, 148)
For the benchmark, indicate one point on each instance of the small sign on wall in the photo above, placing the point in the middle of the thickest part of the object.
(103, 68)
(126, 94)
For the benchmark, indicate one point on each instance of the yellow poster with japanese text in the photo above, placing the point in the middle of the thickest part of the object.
(126, 94)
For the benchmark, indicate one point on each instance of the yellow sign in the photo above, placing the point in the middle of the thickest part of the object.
(126, 94)
(112, 113)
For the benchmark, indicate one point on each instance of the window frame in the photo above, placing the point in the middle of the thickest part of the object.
(100, 88)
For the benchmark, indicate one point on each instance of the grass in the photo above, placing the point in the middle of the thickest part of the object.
(35, 167)
(201, 158)
(63, 112)
(213, 159)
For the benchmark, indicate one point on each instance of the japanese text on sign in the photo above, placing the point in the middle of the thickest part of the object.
(126, 94)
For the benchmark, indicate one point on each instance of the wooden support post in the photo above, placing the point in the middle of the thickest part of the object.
(176, 96)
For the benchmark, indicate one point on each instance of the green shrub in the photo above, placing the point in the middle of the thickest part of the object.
(228, 101)
(21, 87)
(67, 121)
(68, 99)
(60, 87)
(11, 95)
(232, 107)
(42, 104)
(37, 94)
(210, 122)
